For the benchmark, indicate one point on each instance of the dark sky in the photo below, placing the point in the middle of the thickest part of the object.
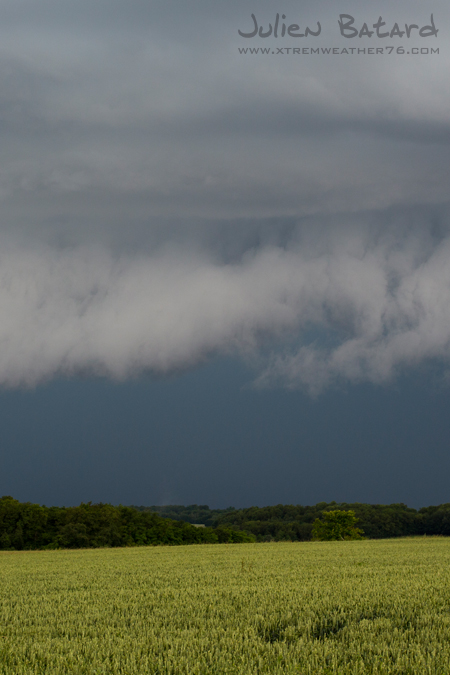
(206, 437)
(224, 276)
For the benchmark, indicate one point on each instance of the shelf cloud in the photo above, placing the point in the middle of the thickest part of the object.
(165, 198)
(333, 303)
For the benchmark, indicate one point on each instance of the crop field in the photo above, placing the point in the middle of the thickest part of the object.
(306, 608)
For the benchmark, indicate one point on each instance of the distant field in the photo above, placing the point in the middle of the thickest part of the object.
(306, 608)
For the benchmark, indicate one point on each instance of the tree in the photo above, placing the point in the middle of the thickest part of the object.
(336, 525)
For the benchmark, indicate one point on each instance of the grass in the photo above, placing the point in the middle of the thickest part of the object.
(307, 608)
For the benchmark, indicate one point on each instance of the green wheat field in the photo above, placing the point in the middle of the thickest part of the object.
(306, 608)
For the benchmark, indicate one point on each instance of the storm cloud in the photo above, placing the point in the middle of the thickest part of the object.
(165, 199)
(349, 303)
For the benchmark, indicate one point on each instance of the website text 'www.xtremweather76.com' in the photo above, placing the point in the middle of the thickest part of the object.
(338, 51)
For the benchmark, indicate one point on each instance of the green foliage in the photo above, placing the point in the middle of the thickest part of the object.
(190, 514)
(366, 608)
(295, 523)
(30, 526)
(25, 526)
(379, 521)
(336, 526)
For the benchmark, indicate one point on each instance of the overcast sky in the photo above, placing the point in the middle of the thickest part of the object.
(180, 217)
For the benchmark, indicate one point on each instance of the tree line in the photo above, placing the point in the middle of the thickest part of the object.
(26, 526)
(295, 523)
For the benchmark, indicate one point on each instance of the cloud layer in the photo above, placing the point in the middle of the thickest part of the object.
(111, 116)
(333, 304)
(164, 198)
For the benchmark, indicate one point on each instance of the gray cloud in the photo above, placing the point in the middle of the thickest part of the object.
(376, 297)
(155, 108)
(164, 198)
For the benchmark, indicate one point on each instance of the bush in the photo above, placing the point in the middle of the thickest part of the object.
(336, 525)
